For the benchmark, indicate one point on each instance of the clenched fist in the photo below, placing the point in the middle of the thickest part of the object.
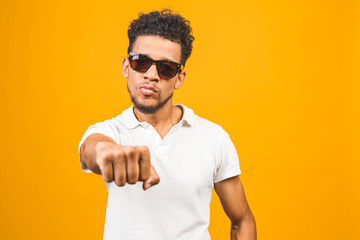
(122, 164)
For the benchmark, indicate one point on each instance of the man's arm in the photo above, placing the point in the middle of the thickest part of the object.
(122, 164)
(88, 151)
(233, 200)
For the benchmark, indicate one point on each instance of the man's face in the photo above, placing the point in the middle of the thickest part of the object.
(149, 91)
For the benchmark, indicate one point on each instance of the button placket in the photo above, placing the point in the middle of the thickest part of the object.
(155, 134)
(172, 131)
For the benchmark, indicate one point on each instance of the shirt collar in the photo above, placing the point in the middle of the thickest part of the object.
(131, 121)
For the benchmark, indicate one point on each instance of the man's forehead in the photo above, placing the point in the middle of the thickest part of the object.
(157, 48)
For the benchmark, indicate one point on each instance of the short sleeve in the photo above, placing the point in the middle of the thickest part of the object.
(106, 128)
(228, 164)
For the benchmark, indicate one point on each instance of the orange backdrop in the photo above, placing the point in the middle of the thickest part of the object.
(282, 77)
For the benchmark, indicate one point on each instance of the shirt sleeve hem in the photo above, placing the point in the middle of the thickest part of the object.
(229, 175)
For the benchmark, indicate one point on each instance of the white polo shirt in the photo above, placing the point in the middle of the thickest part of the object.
(194, 155)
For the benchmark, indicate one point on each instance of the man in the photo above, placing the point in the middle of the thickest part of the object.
(160, 161)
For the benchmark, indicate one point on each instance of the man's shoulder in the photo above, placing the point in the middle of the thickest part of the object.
(203, 122)
(121, 120)
(207, 126)
(209, 132)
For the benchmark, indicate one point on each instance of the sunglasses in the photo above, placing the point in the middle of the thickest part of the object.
(165, 68)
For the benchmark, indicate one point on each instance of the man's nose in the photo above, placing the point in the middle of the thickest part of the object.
(152, 73)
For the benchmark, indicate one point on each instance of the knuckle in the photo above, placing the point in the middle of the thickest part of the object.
(144, 149)
(118, 154)
(132, 176)
(130, 151)
(107, 177)
(104, 169)
(143, 177)
(103, 158)
(120, 181)
(132, 180)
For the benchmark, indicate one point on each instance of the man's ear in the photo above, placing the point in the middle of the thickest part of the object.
(180, 79)
(125, 67)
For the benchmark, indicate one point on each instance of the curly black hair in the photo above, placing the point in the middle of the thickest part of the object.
(164, 24)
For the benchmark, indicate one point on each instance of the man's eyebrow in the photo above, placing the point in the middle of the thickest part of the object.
(161, 59)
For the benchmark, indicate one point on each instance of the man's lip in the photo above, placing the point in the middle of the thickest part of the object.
(147, 86)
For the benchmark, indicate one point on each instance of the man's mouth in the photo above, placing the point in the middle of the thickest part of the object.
(147, 89)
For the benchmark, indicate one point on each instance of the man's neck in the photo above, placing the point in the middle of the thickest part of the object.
(163, 119)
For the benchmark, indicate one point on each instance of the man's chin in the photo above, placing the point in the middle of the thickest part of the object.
(149, 108)
(146, 109)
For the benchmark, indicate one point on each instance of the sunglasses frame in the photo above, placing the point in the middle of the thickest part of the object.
(178, 65)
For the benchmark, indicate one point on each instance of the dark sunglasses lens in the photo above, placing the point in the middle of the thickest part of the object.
(167, 69)
(140, 63)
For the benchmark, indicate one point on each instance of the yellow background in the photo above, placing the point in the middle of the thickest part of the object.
(282, 77)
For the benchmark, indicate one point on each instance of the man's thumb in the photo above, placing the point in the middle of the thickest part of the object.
(152, 180)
